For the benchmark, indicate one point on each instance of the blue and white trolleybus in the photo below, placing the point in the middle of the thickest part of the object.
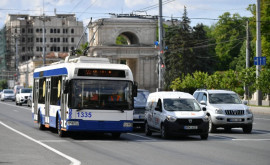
(84, 94)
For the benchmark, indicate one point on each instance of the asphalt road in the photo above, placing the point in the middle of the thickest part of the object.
(22, 143)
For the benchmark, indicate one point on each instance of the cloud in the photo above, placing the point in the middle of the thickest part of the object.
(134, 3)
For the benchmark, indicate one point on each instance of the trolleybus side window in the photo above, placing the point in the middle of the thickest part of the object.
(56, 85)
(42, 90)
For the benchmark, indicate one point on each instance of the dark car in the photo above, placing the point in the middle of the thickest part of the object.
(139, 108)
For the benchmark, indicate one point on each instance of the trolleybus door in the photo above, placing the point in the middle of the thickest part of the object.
(63, 104)
(47, 102)
(35, 99)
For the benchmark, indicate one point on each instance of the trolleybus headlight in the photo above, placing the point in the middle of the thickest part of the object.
(171, 118)
(127, 124)
(73, 123)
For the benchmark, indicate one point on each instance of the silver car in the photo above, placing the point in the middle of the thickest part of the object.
(7, 94)
(225, 109)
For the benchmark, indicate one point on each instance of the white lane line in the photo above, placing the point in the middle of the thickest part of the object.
(251, 139)
(261, 118)
(72, 160)
(141, 136)
(17, 106)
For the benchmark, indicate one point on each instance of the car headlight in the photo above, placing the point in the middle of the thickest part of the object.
(171, 118)
(219, 111)
(249, 111)
(206, 118)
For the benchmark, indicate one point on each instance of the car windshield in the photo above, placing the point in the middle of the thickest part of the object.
(141, 98)
(26, 90)
(181, 105)
(101, 94)
(224, 98)
(8, 91)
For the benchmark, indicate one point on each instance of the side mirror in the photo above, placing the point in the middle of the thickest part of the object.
(135, 89)
(203, 102)
(245, 102)
(66, 87)
(204, 108)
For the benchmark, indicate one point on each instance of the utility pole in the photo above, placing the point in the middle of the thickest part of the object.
(258, 49)
(160, 38)
(247, 59)
(16, 37)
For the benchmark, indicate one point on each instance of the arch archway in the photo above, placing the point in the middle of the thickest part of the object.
(127, 38)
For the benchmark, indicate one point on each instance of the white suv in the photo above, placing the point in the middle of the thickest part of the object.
(22, 96)
(225, 109)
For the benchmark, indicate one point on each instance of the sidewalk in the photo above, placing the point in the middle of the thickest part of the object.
(260, 110)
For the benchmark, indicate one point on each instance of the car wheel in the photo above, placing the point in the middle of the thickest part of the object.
(247, 129)
(212, 127)
(148, 132)
(164, 132)
(204, 136)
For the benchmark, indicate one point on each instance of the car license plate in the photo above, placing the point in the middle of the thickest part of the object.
(235, 120)
(190, 127)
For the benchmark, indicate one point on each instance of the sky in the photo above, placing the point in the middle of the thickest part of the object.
(199, 11)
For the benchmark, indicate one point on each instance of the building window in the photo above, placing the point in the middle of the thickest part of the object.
(37, 39)
(23, 30)
(51, 30)
(58, 39)
(72, 30)
(72, 39)
(23, 39)
(37, 49)
(15, 30)
(37, 30)
(51, 39)
(23, 49)
(58, 30)
(54, 30)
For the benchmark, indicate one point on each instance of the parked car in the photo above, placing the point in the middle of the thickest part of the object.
(175, 113)
(29, 100)
(17, 88)
(7, 94)
(225, 109)
(22, 96)
(139, 108)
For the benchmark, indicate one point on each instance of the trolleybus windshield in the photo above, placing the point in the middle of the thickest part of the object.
(101, 94)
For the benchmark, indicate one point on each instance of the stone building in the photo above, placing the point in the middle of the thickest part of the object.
(62, 33)
(139, 51)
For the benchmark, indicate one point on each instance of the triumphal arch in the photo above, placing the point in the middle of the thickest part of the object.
(128, 39)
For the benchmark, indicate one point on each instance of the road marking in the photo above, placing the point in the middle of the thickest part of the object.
(72, 160)
(16, 106)
(251, 139)
(262, 118)
(141, 136)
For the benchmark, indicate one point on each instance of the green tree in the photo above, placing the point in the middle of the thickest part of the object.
(230, 35)
(3, 84)
(263, 82)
